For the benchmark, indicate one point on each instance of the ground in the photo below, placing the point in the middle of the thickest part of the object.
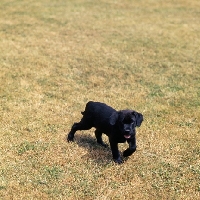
(56, 55)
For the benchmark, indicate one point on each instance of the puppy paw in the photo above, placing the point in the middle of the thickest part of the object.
(128, 152)
(70, 138)
(103, 144)
(118, 160)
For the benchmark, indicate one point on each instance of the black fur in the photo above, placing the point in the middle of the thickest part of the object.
(119, 126)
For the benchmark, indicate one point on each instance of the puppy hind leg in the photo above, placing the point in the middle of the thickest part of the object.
(74, 128)
(84, 124)
(98, 135)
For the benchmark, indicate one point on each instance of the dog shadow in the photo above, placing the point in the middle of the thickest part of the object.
(95, 152)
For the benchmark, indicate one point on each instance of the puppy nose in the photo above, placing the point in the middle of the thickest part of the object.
(127, 130)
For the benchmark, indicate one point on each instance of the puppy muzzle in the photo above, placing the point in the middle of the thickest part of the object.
(127, 134)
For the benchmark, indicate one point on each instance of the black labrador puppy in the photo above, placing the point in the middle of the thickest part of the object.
(119, 126)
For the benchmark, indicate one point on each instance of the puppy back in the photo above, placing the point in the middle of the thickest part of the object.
(97, 107)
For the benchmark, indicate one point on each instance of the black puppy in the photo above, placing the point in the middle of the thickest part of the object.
(119, 126)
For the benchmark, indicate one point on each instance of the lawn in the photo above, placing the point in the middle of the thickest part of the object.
(56, 55)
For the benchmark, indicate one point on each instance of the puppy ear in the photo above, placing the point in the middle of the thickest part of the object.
(113, 118)
(139, 119)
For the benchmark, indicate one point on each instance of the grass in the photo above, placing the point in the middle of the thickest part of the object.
(57, 55)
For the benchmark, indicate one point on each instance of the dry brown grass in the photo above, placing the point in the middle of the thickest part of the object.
(56, 55)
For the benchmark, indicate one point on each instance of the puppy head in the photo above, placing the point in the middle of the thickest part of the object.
(127, 121)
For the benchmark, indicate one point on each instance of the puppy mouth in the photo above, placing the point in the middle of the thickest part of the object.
(127, 136)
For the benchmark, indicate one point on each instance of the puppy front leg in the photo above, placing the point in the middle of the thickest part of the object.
(115, 152)
(132, 147)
